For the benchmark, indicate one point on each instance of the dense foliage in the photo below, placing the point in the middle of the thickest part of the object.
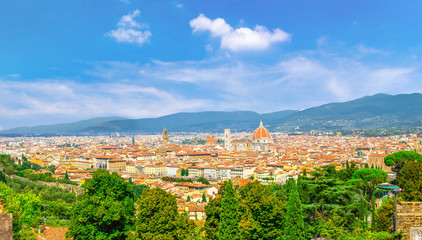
(398, 159)
(139, 189)
(157, 217)
(26, 169)
(408, 166)
(229, 215)
(31, 203)
(25, 208)
(203, 180)
(367, 181)
(175, 179)
(326, 202)
(105, 210)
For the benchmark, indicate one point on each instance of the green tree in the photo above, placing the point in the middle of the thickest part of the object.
(188, 199)
(410, 180)
(212, 222)
(398, 159)
(204, 198)
(294, 227)
(203, 180)
(157, 217)
(183, 172)
(367, 180)
(105, 210)
(261, 213)
(52, 168)
(334, 227)
(138, 189)
(2, 177)
(25, 207)
(385, 215)
(212, 211)
(303, 189)
(347, 173)
(229, 216)
(8, 164)
(66, 176)
(187, 172)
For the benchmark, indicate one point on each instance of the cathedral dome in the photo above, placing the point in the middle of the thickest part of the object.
(261, 132)
(211, 140)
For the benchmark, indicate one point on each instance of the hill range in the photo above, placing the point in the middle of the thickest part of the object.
(380, 111)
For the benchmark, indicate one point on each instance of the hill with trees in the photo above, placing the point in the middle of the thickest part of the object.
(381, 111)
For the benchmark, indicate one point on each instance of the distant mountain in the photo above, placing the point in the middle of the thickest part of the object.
(185, 122)
(58, 129)
(378, 111)
(381, 111)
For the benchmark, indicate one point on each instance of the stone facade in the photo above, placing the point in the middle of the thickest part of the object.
(409, 219)
(416, 233)
(6, 226)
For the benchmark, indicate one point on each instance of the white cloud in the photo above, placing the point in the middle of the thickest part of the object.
(240, 39)
(84, 100)
(368, 50)
(157, 88)
(130, 31)
(321, 41)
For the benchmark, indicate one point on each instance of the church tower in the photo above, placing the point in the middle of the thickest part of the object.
(227, 139)
(165, 138)
(416, 147)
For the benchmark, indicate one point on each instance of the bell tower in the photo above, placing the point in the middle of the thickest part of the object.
(227, 139)
(165, 138)
(416, 146)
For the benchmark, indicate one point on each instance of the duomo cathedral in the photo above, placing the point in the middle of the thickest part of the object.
(261, 141)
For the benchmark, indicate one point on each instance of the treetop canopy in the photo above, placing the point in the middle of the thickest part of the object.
(372, 175)
(402, 157)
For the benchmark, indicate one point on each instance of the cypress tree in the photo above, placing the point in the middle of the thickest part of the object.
(2, 177)
(66, 176)
(204, 198)
(295, 227)
(302, 189)
(229, 222)
(188, 199)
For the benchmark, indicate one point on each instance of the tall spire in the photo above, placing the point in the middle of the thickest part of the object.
(261, 124)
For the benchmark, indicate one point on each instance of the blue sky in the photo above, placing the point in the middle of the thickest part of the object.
(63, 61)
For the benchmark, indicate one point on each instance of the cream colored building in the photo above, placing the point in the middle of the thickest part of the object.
(130, 167)
(377, 161)
(117, 165)
(83, 165)
(155, 170)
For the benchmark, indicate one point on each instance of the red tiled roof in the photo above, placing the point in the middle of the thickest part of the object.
(53, 234)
